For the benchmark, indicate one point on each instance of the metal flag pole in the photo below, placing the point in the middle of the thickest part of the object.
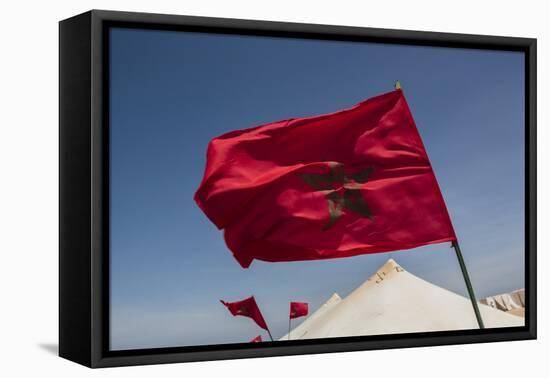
(289, 319)
(456, 247)
(269, 333)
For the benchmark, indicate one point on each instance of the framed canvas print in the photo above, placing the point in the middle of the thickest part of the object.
(234, 188)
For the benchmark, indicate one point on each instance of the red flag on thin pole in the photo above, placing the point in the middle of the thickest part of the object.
(297, 309)
(257, 339)
(249, 308)
(352, 182)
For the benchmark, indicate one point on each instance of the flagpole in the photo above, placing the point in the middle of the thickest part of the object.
(269, 333)
(456, 247)
(289, 319)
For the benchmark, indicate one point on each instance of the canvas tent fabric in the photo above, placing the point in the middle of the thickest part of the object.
(394, 301)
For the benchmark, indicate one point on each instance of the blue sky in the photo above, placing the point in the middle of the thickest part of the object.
(171, 92)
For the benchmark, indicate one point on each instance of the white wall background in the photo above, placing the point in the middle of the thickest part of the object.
(29, 185)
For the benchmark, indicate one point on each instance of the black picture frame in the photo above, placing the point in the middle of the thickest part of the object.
(84, 184)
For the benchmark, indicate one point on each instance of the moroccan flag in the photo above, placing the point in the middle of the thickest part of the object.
(298, 309)
(352, 182)
(257, 339)
(247, 307)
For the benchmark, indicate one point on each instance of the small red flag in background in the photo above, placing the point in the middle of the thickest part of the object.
(247, 307)
(337, 185)
(257, 339)
(298, 309)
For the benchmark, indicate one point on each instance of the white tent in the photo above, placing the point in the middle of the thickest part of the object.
(394, 301)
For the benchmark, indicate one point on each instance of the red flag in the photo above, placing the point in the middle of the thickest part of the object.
(257, 339)
(247, 307)
(298, 309)
(353, 182)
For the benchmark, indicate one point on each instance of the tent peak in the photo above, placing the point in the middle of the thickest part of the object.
(389, 270)
(391, 261)
(390, 265)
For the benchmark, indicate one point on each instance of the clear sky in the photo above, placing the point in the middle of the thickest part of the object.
(171, 92)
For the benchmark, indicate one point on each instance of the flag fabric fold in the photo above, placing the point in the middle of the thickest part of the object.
(257, 339)
(352, 182)
(298, 309)
(247, 307)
